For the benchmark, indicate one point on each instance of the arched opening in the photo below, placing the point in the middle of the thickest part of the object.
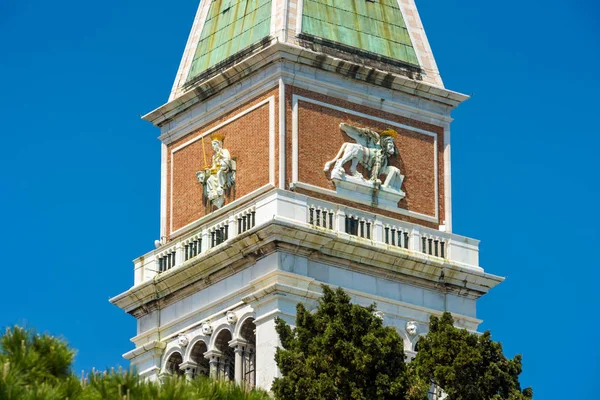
(172, 364)
(226, 361)
(248, 352)
(197, 356)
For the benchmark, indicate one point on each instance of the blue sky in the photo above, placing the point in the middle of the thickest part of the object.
(79, 171)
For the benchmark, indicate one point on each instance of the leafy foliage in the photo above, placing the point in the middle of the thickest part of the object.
(38, 367)
(467, 365)
(342, 351)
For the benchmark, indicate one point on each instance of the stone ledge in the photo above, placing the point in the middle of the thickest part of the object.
(278, 51)
(289, 236)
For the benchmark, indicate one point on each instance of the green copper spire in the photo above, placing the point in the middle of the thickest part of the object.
(374, 26)
(230, 26)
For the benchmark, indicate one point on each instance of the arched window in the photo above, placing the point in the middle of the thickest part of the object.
(248, 334)
(226, 362)
(172, 364)
(197, 356)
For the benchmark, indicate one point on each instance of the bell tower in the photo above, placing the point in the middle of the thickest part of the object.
(304, 142)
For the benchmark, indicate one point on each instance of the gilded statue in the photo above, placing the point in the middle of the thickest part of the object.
(219, 177)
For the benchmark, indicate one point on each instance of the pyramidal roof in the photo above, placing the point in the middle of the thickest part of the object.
(388, 31)
(373, 26)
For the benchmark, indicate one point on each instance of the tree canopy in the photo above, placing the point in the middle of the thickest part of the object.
(467, 365)
(39, 367)
(339, 351)
(343, 351)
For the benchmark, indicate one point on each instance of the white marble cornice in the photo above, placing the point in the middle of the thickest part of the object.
(282, 234)
(286, 52)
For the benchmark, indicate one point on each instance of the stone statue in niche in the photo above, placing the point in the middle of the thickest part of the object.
(219, 177)
(372, 151)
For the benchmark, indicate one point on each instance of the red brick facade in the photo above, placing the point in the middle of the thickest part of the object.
(320, 138)
(246, 138)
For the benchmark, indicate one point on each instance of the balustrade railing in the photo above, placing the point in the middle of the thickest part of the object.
(318, 214)
(246, 220)
(433, 245)
(219, 233)
(380, 229)
(166, 260)
(321, 216)
(397, 236)
(192, 247)
(358, 226)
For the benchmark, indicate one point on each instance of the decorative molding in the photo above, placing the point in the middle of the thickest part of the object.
(183, 341)
(214, 108)
(196, 324)
(163, 190)
(292, 55)
(206, 329)
(467, 280)
(447, 180)
(295, 154)
(224, 123)
(282, 126)
(272, 140)
(412, 328)
(231, 317)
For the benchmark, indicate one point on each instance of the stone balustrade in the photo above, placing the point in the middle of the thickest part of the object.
(321, 215)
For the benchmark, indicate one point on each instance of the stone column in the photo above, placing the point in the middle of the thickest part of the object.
(213, 357)
(238, 348)
(223, 368)
(238, 364)
(188, 368)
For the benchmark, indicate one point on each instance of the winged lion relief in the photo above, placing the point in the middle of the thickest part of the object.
(372, 151)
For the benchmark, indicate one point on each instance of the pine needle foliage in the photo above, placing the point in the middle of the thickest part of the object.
(39, 367)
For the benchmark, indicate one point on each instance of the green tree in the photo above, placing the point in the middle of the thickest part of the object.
(342, 351)
(35, 366)
(39, 367)
(467, 365)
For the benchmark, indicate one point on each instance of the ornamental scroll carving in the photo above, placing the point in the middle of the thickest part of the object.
(372, 151)
(219, 177)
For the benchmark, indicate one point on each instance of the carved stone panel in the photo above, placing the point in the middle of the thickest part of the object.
(372, 151)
